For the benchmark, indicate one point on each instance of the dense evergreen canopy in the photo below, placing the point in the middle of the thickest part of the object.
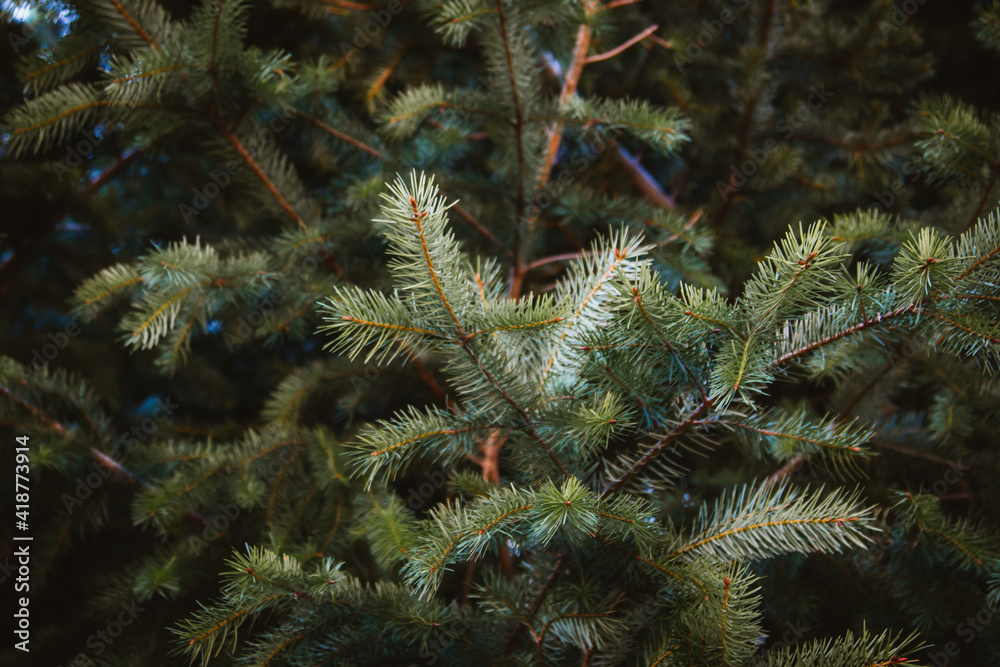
(505, 332)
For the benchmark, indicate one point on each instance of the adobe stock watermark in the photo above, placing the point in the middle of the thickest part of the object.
(712, 30)
(901, 13)
(956, 471)
(77, 152)
(417, 498)
(968, 630)
(216, 528)
(58, 342)
(276, 295)
(18, 41)
(886, 198)
(972, 625)
(790, 637)
(940, 487)
(788, 125)
(201, 199)
(87, 484)
(220, 179)
(226, 514)
(437, 647)
(378, 20)
(100, 640)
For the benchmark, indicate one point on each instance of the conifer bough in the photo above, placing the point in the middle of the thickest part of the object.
(616, 465)
(596, 391)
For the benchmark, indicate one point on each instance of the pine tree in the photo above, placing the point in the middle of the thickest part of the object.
(592, 398)
(564, 363)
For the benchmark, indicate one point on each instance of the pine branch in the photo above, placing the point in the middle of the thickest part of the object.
(598, 57)
(766, 521)
(340, 135)
(867, 649)
(518, 139)
(621, 480)
(255, 167)
(139, 30)
(875, 321)
(555, 132)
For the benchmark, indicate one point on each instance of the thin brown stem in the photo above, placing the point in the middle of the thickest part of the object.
(478, 226)
(470, 573)
(139, 30)
(36, 411)
(642, 181)
(666, 342)
(618, 3)
(379, 83)
(528, 424)
(656, 449)
(867, 387)
(793, 464)
(555, 133)
(563, 257)
(119, 471)
(861, 326)
(799, 460)
(596, 58)
(351, 141)
(539, 599)
(106, 175)
(241, 149)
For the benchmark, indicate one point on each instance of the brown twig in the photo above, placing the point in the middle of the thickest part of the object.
(617, 3)
(867, 387)
(569, 86)
(106, 175)
(793, 464)
(799, 460)
(478, 226)
(596, 58)
(360, 145)
(642, 180)
(555, 133)
(656, 449)
(228, 134)
(470, 572)
(38, 412)
(374, 152)
(9, 268)
(118, 471)
(659, 41)
(563, 257)
(379, 83)
(537, 602)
